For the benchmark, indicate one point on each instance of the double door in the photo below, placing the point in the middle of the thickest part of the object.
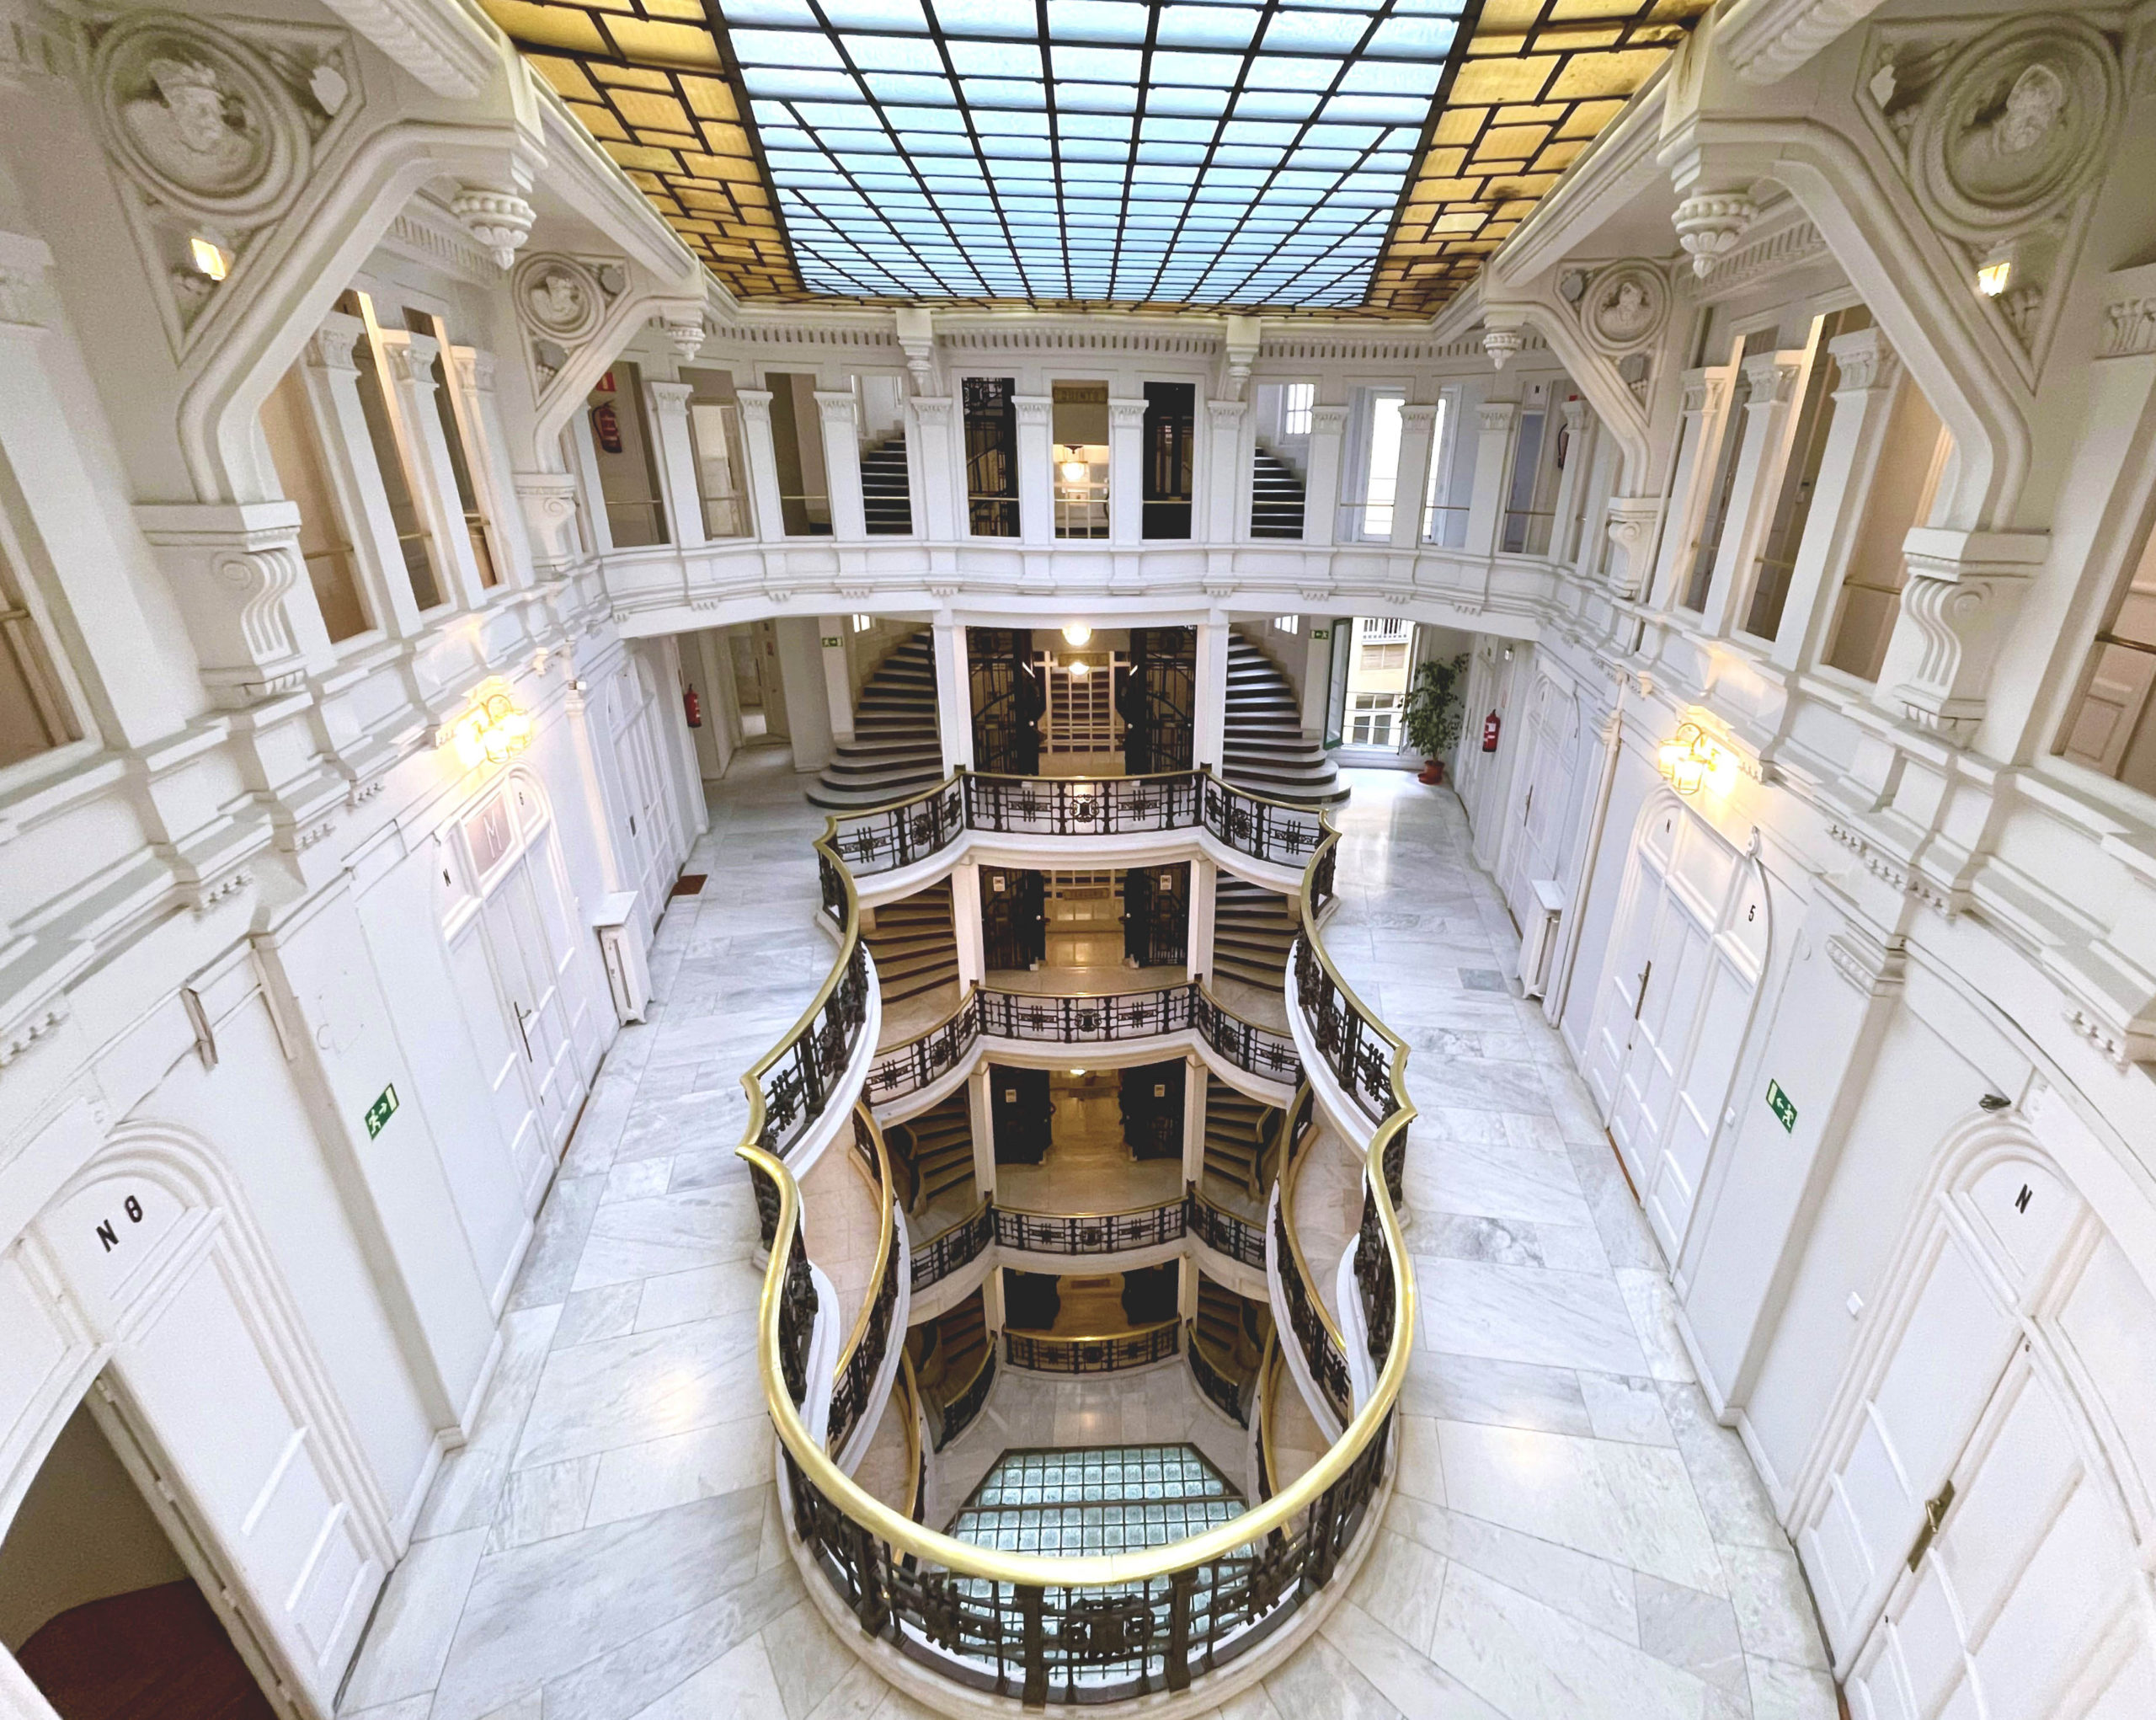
(1157, 916)
(1013, 918)
(649, 844)
(1677, 999)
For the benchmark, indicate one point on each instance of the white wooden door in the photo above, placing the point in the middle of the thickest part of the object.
(2027, 1603)
(646, 825)
(487, 1008)
(1537, 843)
(1677, 1001)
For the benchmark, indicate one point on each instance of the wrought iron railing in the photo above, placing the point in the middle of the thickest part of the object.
(1221, 1387)
(1101, 1627)
(896, 835)
(1307, 1319)
(1223, 1233)
(1059, 806)
(952, 1248)
(1089, 1233)
(1044, 1352)
(958, 1413)
(862, 1361)
(919, 1063)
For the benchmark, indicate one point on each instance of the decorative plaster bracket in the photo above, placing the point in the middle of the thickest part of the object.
(1963, 591)
(500, 221)
(1709, 222)
(1630, 524)
(235, 568)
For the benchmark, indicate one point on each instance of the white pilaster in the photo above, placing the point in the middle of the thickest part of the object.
(1035, 470)
(410, 361)
(838, 674)
(837, 410)
(1773, 377)
(1208, 722)
(332, 380)
(1204, 875)
(1193, 1121)
(677, 460)
(935, 470)
(954, 697)
(1126, 471)
(472, 374)
(980, 1110)
(1222, 509)
(1321, 483)
(1495, 421)
(761, 456)
(1418, 426)
(965, 924)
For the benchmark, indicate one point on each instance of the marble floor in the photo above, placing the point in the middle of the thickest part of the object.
(1571, 1537)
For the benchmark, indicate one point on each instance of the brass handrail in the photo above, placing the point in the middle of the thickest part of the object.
(1146, 1331)
(955, 1225)
(849, 935)
(1268, 1375)
(1288, 1180)
(911, 1387)
(884, 1243)
(1097, 1569)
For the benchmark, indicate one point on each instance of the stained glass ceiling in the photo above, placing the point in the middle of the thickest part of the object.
(1322, 155)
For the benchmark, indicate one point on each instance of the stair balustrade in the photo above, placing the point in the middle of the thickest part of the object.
(958, 1414)
(1221, 1388)
(957, 1247)
(862, 1361)
(1089, 1233)
(1306, 1319)
(1045, 1353)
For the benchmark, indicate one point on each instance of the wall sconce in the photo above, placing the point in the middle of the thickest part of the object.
(1074, 469)
(1689, 758)
(210, 257)
(1991, 277)
(489, 732)
(1076, 632)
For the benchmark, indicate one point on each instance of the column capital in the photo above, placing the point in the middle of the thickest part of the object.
(1492, 416)
(329, 348)
(1772, 377)
(1864, 360)
(671, 398)
(473, 368)
(1034, 411)
(1425, 416)
(1328, 420)
(1227, 411)
(411, 356)
(835, 405)
(755, 404)
(1703, 388)
(1125, 414)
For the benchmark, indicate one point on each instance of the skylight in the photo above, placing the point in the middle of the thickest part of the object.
(1195, 152)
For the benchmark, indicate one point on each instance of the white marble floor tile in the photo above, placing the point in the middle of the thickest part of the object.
(1528, 1314)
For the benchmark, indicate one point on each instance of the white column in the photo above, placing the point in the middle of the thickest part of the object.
(1705, 391)
(471, 373)
(1773, 377)
(838, 674)
(1036, 491)
(1494, 421)
(761, 456)
(1204, 875)
(1222, 512)
(965, 924)
(954, 697)
(1418, 426)
(980, 1107)
(1321, 483)
(1569, 419)
(1126, 471)
(936, 472)
(808, 708)
(714, 680)
(1208, 722)
(676, 461)
(842, 427)
(1870, 374)
(332, 390)
(1193, 1120)
(583, 460)
(410, 364)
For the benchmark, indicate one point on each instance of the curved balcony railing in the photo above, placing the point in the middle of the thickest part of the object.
(1221, 1388)
(1044, 1352)
(1099, 1628)
(956, 1248)
(892, 837)
(1323, 1350)
(958, 1415)
(1040, 1018)
(869, 1344)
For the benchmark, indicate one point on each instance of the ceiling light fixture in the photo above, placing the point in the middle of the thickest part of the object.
(489, 732)
(1075, 470)
(1076, 632)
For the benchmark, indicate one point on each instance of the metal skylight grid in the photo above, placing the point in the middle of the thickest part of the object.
(1197, 151)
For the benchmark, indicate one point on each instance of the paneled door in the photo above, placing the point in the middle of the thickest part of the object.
(1536, 846)
(647, 816)
(1676, 1001)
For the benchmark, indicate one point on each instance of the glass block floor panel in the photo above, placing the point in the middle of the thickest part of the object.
(1095, 1500)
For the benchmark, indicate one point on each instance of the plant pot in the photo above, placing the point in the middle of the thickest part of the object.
(1433, 770)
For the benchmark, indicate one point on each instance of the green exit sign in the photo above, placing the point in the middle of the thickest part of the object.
(1321, 632)
(381, 1111)
(832, 642)
(1781, 1105)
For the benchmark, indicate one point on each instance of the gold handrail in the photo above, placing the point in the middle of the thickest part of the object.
(1268, 1372)
(987, 1360)
(1035, 1332)
(1096, 1569)
(955, 1225)
(911, 1387)
(1288, 1180)
(849, 935)
(884, 1243)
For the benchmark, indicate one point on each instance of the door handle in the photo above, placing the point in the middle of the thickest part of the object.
(521, 1015)
(1934, 1513)
(1639, 1002)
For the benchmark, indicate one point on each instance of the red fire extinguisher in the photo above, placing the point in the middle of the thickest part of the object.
(606, 427)
(694, 706)
(1490, 733)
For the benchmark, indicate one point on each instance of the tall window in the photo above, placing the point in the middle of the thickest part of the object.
(1171, 448)
(1815, 421)
(296, 450)
(715, 429)
(36, 715)
(1369, 514)
(392, 461)
(2110, 728)
(991, 424)
(1445, 510)
(1526, 528)
(1912, 455)
(1296, 400)
(804, 493)
(461, 435)
(1079, 427)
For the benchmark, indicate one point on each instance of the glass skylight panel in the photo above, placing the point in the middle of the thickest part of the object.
(1198, 151)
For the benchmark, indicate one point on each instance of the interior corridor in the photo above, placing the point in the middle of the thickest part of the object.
(1570, 1537)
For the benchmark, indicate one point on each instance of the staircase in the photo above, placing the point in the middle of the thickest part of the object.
(1251, 933)
(1234, 1327)
(938, 1145)
(914, 946)
(885, 497)
(952, 1356)
(895, 750)
(1276, 498)
(1237, 1129)
(1267, 752)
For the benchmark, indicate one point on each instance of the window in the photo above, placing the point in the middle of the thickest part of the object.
(34, 712)
(1815, 419)
(1287, 623)
(1439, 514)
(991, 425)
(296, 451)
(460, 433)
(1368, 516)
(1170, 449)
(1526, 528)
(1296, 400)
(804, 495)
(414, 540)
(1377, 658)
(715, 435)
(1912, 455)
(1079, 427)
(1371, 720)
(2110, 729)
(862, 623)
(628, 466)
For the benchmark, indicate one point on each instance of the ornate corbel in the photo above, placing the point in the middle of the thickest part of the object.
(499, 219)
(1962, 593)
(237, 572)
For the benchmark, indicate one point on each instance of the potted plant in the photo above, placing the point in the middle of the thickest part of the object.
(1433, 711)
